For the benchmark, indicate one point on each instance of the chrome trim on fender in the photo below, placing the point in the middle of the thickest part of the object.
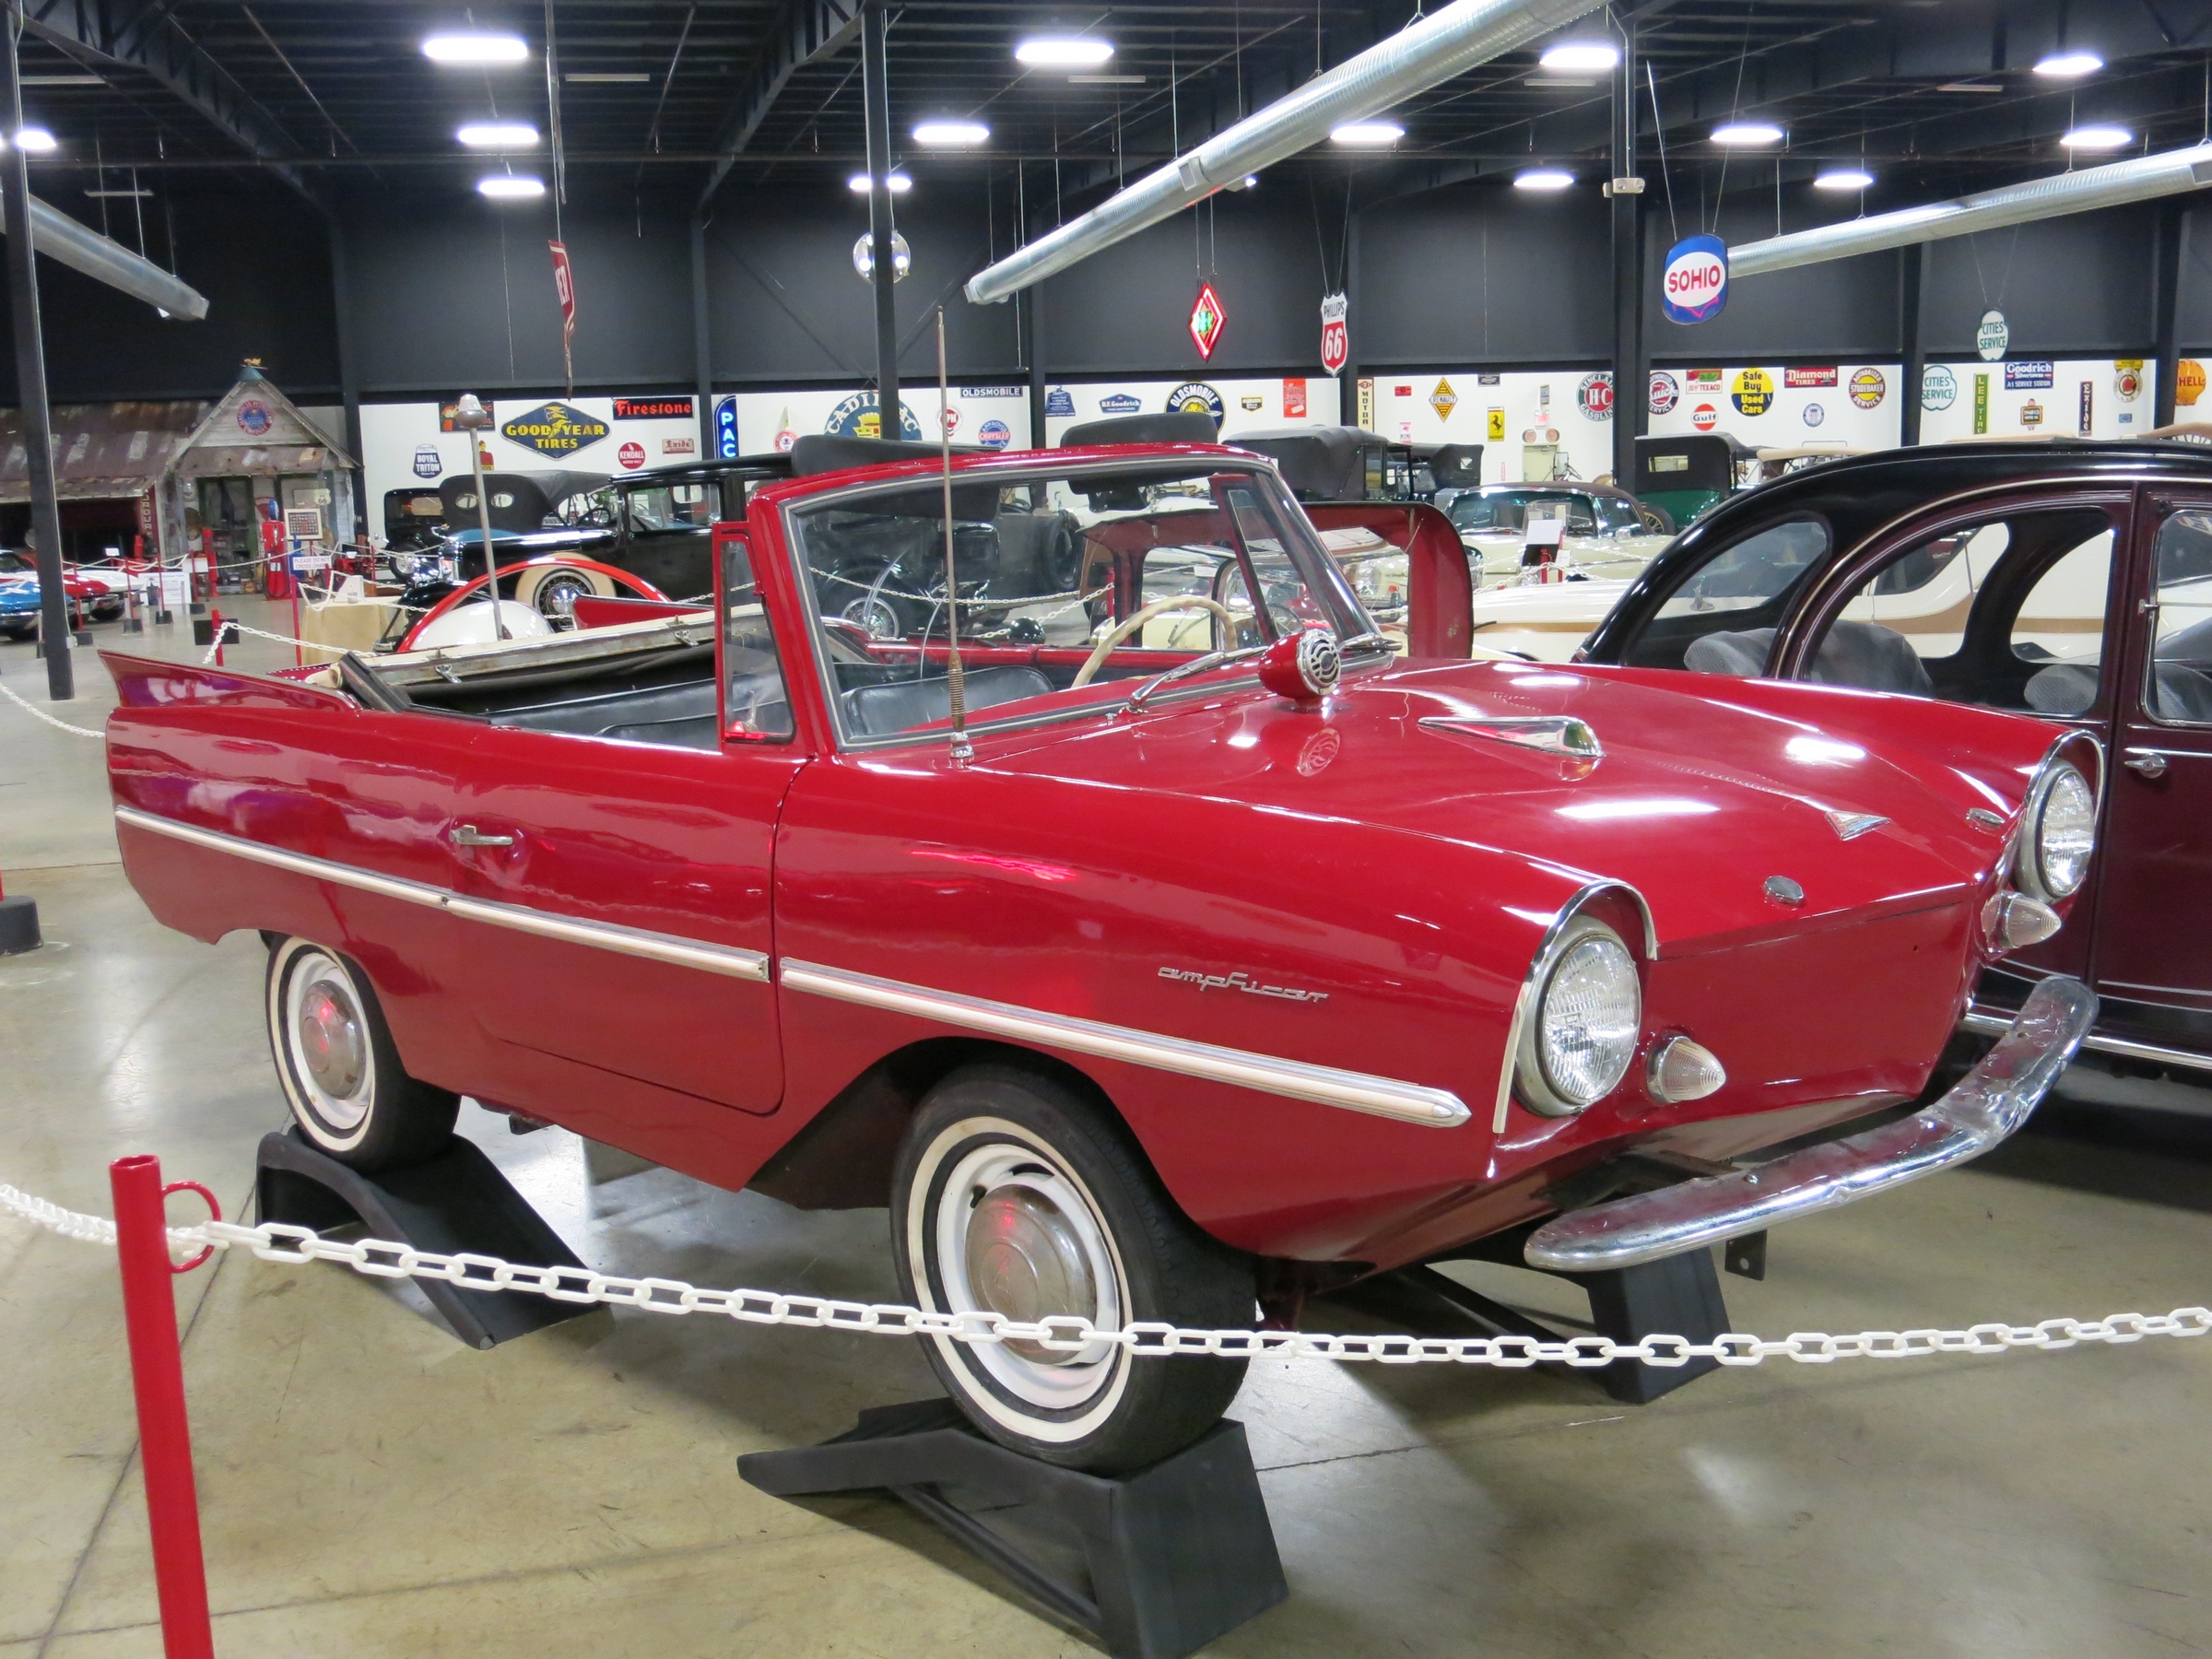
(1539, 968)
(1990, 1022)
(1323, 1085)
(603, 936)
(1988, 1104)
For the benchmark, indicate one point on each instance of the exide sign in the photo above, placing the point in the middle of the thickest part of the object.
(1694, 286)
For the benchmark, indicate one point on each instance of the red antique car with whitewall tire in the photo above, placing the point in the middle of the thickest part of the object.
(1152, 979)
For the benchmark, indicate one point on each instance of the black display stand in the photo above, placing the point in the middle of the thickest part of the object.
(1177, 1554)
(18, 924)
(457, 1201)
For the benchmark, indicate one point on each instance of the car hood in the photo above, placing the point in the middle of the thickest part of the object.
(1697, 799)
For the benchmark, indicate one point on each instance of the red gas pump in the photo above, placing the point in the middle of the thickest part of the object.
(279, 585)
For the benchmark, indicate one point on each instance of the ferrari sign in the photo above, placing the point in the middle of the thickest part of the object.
(555, 428)
(1336, 338)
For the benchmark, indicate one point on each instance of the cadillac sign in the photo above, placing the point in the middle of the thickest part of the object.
(554, 428)
(1694, 287)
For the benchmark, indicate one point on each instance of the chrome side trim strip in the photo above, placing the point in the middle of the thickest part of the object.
(1323, 1085)
(1988, 1104)
(603, 936)
(1988, 1023)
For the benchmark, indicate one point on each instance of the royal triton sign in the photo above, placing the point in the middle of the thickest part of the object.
(1694, 286)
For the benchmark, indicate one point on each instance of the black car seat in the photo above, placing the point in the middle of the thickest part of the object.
(901, 705)
(1864, 655)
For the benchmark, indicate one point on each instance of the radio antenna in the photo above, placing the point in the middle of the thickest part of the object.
(962, 750)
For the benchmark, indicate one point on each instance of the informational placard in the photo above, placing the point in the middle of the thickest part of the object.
(303, 524)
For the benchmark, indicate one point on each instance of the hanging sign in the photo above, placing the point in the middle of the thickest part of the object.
(1667, 391)
(1208, 320)
(554, 428)
(564, 285)
(1593, 395)
(1335, 337)
(1694, 286)
(1991, 336)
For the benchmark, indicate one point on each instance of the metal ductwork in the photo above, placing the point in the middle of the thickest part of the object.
(1447, 43)
(2090, 187)
(59, 237)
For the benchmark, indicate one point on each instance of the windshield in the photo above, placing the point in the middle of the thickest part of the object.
(1064, 580)
(1509, 511)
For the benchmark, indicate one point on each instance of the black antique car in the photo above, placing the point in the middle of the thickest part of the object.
(2071, 580)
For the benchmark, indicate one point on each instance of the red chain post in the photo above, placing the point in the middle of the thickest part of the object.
(158, 1378)
(217, 617)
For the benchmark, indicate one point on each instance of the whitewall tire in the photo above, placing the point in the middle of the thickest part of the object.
(340, 1071)
(1015, 1194)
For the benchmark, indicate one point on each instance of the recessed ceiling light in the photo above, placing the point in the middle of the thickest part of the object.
(606, 77)
(476, 49)
(1367, 134)
(1844, 178)
(1544, 178)
(2067, 66)
(509, 188)
(2097, 139)
(951, 134)
(1746, 131)
(498, 135)
(1580, 54)
(858, 183)
(35, 140)
(1063, 52)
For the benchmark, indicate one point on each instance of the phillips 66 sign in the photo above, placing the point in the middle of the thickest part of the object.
(1335, 340)
(1694, 286)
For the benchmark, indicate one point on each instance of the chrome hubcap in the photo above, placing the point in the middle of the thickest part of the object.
(1026, 1261)
(327, 1035)
(331, 1042)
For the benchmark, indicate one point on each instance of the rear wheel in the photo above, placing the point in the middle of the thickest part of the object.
(1015, 1195)
(340, 1070)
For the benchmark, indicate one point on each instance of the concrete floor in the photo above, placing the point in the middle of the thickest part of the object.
(371, 1487)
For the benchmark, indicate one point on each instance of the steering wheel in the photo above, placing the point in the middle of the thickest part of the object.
(1129, 625)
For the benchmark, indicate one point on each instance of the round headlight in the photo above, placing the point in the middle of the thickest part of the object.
(1588, 1016)
(2060, 834)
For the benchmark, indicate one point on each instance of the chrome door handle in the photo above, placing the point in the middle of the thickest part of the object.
(2150, 762)
(467, 835)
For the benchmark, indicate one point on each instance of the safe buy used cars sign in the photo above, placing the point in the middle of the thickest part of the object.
(1694, 286)
(554, 428)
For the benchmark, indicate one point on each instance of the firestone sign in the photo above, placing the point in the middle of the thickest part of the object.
(1694, 286)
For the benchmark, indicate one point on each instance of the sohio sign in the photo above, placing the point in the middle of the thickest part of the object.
(1694, 287)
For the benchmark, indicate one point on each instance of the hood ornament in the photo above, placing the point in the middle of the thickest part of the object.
(1850, 826)
(1562, 735)
(1782, 890)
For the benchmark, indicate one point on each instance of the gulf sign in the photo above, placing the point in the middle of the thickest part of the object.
(1694, 287)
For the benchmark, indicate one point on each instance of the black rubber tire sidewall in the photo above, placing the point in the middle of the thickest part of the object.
(408, 1120)
(1172, 1271)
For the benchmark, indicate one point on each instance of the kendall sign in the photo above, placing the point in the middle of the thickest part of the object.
(1694, 287)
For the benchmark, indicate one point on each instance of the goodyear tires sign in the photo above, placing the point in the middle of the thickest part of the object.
(555, 428)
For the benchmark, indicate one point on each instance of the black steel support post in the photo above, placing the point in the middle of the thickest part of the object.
(1349, 407)
(876, 102)
(349, 369)
(1911, 335)
(1631, 371)
(31, 381)
(702, 338)
(1028, 319)
(2165, 311)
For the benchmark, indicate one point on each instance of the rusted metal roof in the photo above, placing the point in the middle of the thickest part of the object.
(102, 449)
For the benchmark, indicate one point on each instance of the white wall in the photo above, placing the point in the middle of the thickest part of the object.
(2111, 414)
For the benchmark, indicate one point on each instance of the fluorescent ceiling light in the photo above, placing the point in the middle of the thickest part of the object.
(858, 183)
(951, 134)
(1544, 178)
(2097, 139)
(1580, 54)
(1969, 87)
(2069, 66)
(1063, 52)
(1370, 134)
(498, 135)
(126, 194)
(1844, 178)
(510, 187)
(64, 80)
(476, 49)
(1746, 131)
(1558, 80)
(606, 77)
(1105, 80)
(35, 140)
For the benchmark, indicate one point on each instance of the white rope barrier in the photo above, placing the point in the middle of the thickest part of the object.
(276, 1241)
(38, 714)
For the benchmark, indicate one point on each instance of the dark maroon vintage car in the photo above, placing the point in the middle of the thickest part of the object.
(2069, 581)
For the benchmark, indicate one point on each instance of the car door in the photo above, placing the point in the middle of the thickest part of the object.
(2154, 929)
(667, 535)
(626, 864)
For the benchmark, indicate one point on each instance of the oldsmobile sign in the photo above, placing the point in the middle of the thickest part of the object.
(555, 428)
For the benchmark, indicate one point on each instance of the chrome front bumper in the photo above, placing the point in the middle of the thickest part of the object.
(1989, 1103)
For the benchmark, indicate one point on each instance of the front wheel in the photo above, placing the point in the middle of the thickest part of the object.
(340, 1069)
(1013, 1195)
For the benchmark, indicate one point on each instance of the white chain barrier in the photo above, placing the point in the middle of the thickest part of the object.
(38, 714)
(276, 1241)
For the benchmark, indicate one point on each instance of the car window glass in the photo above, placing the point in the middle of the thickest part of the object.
(2181, 670)
(670, 507)
(2007, 613)
(755, 703)
(1054, 572)
(1733, 599)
